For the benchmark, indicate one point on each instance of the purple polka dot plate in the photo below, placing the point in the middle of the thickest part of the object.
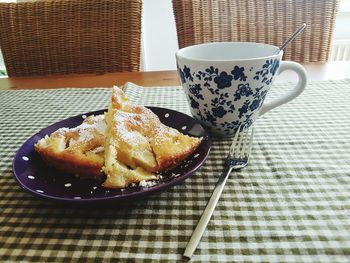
(46, 182)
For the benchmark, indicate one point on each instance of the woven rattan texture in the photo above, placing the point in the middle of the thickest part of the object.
(70, 36)
(263, 21)
(290, 204)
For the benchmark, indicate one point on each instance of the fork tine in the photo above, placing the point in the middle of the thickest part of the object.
(250, 142)
(242, 143)
(234, 141)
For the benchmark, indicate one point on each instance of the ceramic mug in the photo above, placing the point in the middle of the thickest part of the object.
(226, 82)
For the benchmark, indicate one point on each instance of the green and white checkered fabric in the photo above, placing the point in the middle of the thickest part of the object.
(290, 204)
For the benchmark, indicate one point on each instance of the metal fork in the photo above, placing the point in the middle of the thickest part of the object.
(237, 158)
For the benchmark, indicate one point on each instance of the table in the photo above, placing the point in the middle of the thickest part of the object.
(290, 204)
(316, 71)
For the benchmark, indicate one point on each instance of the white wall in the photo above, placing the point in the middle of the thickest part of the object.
(342, 24)
(159, 35)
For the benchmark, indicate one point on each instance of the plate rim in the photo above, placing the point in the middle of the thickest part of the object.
(112, 199)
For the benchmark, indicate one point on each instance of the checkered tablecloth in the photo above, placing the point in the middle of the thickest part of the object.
(291, 204)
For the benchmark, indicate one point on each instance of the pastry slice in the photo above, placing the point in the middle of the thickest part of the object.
(78, 150)
(137, 145)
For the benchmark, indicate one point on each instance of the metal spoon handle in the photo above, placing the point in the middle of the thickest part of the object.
(300, 29)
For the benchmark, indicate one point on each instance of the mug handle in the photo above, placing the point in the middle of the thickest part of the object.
(292, 94)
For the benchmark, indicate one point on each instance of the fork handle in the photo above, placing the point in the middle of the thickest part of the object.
(207, 213)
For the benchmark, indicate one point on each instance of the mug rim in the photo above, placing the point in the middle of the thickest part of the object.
(179, 55)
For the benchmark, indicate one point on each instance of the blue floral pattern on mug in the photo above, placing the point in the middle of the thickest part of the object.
(243, 90)
(223, 80)
(195, 90)
(268, 71)
(217, 96)
(238, 73)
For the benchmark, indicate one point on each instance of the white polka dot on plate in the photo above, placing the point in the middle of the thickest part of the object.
(166, 115)
(183, 128)
(25, 158)
(84, 116)
(67, 185)
(31, 177)
(196, 155)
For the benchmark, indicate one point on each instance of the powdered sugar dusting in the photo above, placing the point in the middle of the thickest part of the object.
(163, 131)
(144, 183)
(125, 121)
(62, 131)
(175, 175)
(100, 125)
(86, 130)
(84, 136)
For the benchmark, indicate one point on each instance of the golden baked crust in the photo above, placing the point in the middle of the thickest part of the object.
(78, 150)
(138, 145)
